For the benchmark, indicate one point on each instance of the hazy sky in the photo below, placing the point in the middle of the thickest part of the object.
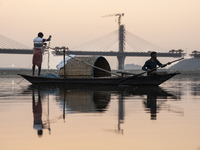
(170, 24)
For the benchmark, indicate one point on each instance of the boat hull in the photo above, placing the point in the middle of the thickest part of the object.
(141, 80)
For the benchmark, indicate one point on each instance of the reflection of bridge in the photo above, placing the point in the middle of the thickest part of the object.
(138, 47)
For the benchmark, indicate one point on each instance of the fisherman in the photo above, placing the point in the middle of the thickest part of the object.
(37, 53)
(152, 64)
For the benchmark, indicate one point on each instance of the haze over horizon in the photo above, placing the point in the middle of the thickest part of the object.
(172, 24)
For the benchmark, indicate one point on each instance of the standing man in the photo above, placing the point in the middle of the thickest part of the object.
(37, 52)
(152, 64)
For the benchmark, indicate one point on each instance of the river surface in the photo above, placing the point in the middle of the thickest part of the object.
(100, 118)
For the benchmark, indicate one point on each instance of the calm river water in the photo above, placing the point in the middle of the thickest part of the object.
(100, 118)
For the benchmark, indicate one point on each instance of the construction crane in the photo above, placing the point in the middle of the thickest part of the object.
(121, 39)
(119, 17)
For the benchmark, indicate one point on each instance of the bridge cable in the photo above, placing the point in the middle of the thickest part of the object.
(135, 47)
(9, 43)
(95, 40)
(144, 43)
(96, 44)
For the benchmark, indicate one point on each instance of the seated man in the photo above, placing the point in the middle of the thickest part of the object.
(152, 64)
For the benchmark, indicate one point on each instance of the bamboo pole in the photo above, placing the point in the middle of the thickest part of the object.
(64, 62)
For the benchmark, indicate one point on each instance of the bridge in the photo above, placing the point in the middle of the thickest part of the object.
(125, 54)
(129, 45)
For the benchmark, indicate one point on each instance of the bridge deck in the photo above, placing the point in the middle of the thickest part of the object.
(16, 51)
(127, 54)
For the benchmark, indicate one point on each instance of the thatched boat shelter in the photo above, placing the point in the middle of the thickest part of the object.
(78, 69)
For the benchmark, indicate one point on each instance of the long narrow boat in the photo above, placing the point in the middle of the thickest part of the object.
(154, 80)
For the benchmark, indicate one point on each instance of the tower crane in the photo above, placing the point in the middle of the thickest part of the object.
(121, 39)
(119, 17)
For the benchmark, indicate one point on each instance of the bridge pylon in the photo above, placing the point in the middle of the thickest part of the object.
(121, 59)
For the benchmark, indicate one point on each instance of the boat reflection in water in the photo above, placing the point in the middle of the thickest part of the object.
(93, 99)
(84, 101)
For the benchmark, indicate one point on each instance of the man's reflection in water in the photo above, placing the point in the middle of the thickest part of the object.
(37, 113)
(151, 105)
(38, 124)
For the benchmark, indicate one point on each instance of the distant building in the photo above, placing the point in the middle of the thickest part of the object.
(176, 51)
(195, 54)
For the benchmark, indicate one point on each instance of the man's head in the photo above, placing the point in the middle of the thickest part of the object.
(40, 34)
(40, 133)
(153, 55)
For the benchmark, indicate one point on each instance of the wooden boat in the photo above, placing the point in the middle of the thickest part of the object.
(153, 80)
(96, 70)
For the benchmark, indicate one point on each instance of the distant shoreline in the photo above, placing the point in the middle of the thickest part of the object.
(14, 71)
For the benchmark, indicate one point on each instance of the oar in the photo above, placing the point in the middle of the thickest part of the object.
(125, 79)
